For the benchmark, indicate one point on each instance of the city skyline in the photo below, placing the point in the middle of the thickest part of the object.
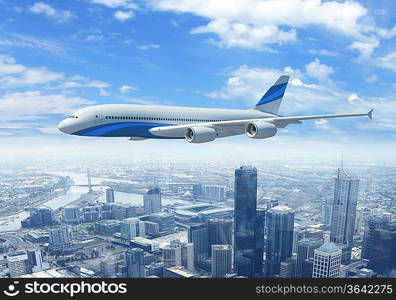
(195, 218)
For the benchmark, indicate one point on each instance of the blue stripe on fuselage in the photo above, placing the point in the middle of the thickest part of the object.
(122, 129)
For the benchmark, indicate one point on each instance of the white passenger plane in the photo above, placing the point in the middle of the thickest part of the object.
(196, 125)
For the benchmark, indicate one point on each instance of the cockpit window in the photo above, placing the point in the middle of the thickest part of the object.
(73, 117)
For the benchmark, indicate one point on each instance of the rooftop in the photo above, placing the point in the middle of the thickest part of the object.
(329, 248)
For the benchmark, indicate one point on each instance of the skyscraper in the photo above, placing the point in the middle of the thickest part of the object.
(327, 261)
(247, 242)
(18, 264)
(35, 259)
(89, 181)
(152, 201)
(305, 251)
(134, 263)
(131, 228)
(221, 260)
(280, 224)
(110, 195)
(372, 223)
(198, 235)
(383, 258)
(71, 214)
(59, 238)
(219, 232)
(344, 212)
(178, 254)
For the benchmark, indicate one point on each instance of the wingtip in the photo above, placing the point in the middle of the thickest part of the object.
(370, 113)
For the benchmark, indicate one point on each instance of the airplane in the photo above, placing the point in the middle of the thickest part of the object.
(195, 124)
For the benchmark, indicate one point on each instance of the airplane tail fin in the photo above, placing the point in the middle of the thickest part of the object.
(272, 99)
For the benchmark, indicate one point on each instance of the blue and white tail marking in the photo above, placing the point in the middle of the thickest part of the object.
(272, 99)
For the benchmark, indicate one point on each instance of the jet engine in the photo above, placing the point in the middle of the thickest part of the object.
(260, 130)
(200, 134)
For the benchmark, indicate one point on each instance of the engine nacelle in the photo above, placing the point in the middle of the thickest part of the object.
(200, 134)
(260, 130)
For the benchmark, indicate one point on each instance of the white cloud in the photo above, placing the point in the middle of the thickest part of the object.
(255, 24)
(353, 97)
(317, 70)
(371, 78)
(49, 11)
(123, 15)
(148, 47)
(249, 84)
(323, 52)
(94, 37)
(116, 3)
(13, 74)
(103, 93)
(322, 124)
(127, 88)
(365, 48)
(388, 61)
(78, 81)
(32, 104)
(24, 41)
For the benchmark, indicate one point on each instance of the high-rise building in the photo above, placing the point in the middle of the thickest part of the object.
(305, 251)
(272, 203)
(89, 181)
(248, 259)
(326, 211)
(134, 263)
(327, 261)
(383, 258)
(280, 224)
(221, 260)
(110, 195)
(152, 201)
(59, 238)
(71, 214)
(35, 259)
(131, 228)
(178, 254)
(372, 223)
(198, 235)
(18, 264)
(219, 232)
(159, 224)
(344, 212)
(288, 268)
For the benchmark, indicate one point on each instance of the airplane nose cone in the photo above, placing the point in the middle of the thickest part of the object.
(64, 126)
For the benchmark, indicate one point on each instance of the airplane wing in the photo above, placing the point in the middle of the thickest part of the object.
(235, 127)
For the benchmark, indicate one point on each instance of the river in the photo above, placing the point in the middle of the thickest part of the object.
(12, 223)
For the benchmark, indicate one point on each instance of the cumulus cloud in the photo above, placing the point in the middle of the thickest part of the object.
(302, 97)
(323, 52)
(123, 15)
(116, 3)
(125, 8)
(317, 70)
(34, 105)
(49, 11)
(13, 74)
(254, 24)
(127, 88)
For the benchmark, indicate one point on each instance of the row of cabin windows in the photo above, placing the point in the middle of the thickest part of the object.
(161, 119)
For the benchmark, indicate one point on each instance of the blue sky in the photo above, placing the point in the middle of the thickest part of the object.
(58, 56)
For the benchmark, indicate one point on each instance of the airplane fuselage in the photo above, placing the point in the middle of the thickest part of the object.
(128, 120)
